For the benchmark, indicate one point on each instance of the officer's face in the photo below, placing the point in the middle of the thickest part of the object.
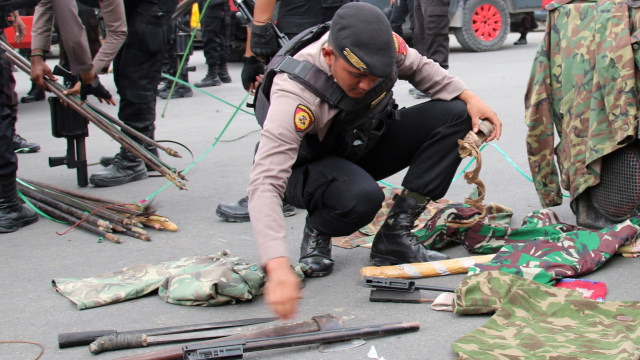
(353, 81)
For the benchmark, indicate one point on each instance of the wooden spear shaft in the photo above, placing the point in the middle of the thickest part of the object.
(39, 196)
(73, 220)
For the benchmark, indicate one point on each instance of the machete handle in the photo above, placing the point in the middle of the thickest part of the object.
(118, 342)
(79, 338)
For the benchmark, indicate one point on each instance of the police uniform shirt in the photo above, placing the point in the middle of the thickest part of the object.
(294, 112)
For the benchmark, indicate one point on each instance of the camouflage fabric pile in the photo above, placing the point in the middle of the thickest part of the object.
(488, 236)
(537, 321)
(570, 254)
(196, 280)
(584, 84)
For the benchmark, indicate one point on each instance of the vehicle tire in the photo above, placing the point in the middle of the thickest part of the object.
(485, 25)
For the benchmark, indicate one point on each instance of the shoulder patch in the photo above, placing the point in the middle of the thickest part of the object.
(401, 45)
(302, 118)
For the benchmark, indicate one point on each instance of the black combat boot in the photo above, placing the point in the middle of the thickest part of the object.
(179, 91)
(521, 41)
(125, 168)
(239, 211)
(108, 160)
(211, 79)
(35, 94)
(223, 73)
(13, 215)
(395, 243)
(315, 251)
(21, 145)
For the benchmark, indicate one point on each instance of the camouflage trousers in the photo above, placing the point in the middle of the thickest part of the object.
(537, 321)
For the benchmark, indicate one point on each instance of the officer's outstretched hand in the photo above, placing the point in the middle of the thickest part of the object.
(282, 290)
(252, 72)
(478, 110)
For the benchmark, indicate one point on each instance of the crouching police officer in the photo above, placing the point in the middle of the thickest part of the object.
(331, 129)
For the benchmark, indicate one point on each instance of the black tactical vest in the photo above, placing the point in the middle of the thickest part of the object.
(359, 124)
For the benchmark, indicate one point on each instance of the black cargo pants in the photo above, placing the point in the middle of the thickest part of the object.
(342, 196)
(137, 66)
(8, 158)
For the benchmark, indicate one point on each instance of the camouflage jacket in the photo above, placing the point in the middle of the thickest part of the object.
(536, 321)
(584, 82)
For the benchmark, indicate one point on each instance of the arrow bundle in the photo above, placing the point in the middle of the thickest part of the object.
(101, 216)
(107, 123)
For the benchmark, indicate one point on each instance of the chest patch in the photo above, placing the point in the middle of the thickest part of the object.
(302, 118)
(401, 45)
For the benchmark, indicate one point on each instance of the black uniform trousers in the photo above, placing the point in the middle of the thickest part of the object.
(342, 196)
(8, 158)
(431, 30)
(137, 66)
(214, 36)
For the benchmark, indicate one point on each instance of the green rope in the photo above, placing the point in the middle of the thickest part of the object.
(473, 160)
(506, 157)
(205, 92)
(185, 56)
(237, 108)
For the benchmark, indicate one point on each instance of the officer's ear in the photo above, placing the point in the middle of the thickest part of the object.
(328, 54)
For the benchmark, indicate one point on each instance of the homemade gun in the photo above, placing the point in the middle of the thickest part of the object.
(236, 348)
(400, 285)
(398, 290)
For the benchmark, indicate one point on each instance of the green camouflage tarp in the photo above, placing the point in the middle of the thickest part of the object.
(569, 254)
(537, 321)
(584, 84)
(196, 280)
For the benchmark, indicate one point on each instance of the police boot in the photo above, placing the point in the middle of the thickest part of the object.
(179, 91)
(125, 168)
(521, 41)
(315, 251)
(108, 160)
(239, 211)
(211, 79)
(223, 73)
(35, 94)
(395, 243)
(21, 145)
(13, 215)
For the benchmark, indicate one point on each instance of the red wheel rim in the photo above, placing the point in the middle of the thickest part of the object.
(486, 22)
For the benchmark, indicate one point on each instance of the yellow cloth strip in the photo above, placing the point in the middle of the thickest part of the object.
(426, 269)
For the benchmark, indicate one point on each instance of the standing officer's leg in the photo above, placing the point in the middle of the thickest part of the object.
(424, 138)
(213, 42)
(136, 74)
(13, 215)
(340, 198)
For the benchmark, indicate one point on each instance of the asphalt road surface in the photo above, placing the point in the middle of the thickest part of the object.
(31, 310)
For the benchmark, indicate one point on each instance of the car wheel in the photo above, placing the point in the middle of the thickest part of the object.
(485, 25)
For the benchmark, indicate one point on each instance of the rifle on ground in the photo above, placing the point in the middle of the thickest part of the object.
(79, 338)
(317, 323)
(235, 349)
